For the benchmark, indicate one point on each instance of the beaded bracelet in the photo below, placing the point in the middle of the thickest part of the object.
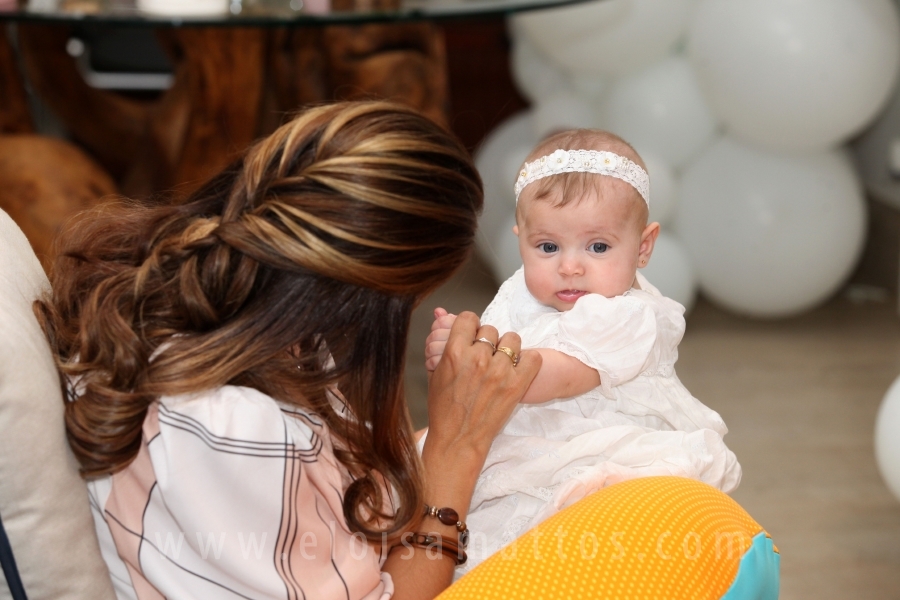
(448, 516)
(428, 540)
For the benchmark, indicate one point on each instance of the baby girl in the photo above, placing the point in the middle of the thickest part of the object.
(606, 405)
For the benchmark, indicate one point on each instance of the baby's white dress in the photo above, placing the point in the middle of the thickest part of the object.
(640, 422)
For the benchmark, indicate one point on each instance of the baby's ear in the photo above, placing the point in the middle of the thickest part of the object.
(648, 240)
(516, 229)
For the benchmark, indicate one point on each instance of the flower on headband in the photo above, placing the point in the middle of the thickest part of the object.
(608, 160)
(525, 172)
(557, 161)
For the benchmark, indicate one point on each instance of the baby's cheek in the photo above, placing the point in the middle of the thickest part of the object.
(537, 285)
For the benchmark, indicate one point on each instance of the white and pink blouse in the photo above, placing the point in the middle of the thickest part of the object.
(233, 495)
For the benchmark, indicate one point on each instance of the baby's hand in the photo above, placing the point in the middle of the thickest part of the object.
(437, 339)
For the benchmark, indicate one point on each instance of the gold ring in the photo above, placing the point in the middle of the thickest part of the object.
(487, 341)
(510, 353)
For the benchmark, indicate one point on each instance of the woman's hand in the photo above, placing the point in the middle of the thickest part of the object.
(472, 393)
(474, 389)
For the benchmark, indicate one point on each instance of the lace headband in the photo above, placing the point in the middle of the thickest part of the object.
(585, 161)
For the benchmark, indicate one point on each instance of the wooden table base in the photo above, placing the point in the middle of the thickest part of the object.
(14, 114)
(44, 182)
(231, 86)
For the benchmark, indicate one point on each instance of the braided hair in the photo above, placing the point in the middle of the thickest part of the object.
(294, 271)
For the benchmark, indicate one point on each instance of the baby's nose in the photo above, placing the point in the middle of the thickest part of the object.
(570, 266)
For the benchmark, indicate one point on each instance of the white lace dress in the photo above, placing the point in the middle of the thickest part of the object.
(640, 422)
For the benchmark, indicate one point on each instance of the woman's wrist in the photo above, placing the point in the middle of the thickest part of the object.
(433, 543)
(450, 476)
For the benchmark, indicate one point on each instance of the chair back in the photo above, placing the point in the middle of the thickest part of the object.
(44, 510)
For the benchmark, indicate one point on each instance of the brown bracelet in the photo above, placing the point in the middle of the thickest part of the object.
(448, 516)
(428, 540)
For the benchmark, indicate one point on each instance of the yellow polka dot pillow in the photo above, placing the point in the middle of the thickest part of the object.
(650, 538)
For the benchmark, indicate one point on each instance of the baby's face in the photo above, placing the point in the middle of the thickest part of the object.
(591, 245)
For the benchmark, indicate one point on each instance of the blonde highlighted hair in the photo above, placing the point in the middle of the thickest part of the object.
(316, 245)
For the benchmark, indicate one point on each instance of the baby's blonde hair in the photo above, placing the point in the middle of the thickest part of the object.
(566, 187)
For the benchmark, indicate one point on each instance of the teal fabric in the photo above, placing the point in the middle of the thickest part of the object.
(758, 574)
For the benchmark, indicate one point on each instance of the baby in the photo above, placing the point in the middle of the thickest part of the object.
(606, 405)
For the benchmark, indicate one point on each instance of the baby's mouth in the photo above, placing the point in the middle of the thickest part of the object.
(570, 295)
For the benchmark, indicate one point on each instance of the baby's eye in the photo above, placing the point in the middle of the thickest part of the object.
(548, 247)
(599, 247)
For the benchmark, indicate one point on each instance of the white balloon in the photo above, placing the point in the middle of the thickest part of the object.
(536, 76)
(798, 74)
(770, 234)
(593, 88)
(513, 163)
(670, 270)
(662, 110)
(549, 28)
(615, 42)
(878, 154)
(498, 160)
(663, 189)
(561, 111)
(501, 251)
(493, 158)
(887, 438)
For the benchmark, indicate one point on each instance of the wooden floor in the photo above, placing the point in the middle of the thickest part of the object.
(800, 398)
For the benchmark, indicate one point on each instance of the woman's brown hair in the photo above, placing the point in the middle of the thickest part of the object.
(315, 246)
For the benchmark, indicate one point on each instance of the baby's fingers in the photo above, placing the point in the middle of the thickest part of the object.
(443, 322)
(432, 362)
(434, 349)
(438, 335)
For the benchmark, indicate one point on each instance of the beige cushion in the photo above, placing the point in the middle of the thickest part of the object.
(43, 501)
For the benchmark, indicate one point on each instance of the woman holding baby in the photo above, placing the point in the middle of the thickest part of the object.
(233, 366)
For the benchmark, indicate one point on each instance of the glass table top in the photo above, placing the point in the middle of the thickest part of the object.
(257, 12)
